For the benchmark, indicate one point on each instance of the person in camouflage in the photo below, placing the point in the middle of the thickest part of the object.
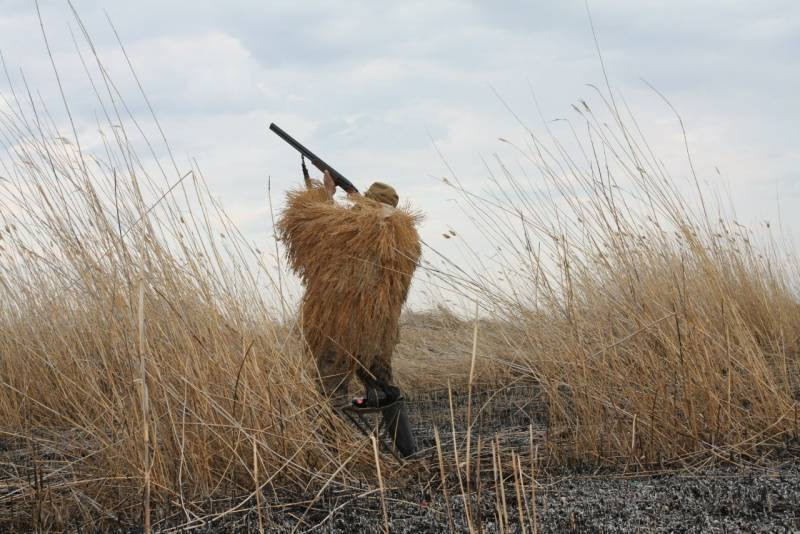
(356, 263)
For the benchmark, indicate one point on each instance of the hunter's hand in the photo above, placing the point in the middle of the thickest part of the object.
(330, 185)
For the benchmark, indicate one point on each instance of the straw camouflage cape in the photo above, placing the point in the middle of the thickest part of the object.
(356, 264)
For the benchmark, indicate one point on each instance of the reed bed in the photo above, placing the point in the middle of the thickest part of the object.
(662, 329)
(148, 378)
(141, 360)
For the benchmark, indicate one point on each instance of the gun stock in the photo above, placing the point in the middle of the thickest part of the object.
(315, 160)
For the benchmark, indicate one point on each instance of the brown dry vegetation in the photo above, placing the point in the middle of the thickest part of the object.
(141, 356)
(658, 333)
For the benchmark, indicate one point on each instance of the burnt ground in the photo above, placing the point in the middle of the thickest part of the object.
(718, 498)
(728, 498)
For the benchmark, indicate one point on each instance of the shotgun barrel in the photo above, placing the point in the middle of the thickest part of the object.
(315, 160)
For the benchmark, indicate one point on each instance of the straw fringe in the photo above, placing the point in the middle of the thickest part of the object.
(356, 263)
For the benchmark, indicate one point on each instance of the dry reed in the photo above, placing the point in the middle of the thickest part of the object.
(173, 416)
(659, 333)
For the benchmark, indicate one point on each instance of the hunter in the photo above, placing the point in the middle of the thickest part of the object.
(356, 263)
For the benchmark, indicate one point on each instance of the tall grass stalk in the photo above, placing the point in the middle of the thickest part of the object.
(147, 371)
(659, 333)
(140, 352)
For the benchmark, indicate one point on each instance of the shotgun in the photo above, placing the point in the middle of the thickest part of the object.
(315, 160)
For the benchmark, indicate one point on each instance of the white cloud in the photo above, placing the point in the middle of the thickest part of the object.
(366, 83)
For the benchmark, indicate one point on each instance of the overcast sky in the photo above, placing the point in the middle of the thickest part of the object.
(375, 87)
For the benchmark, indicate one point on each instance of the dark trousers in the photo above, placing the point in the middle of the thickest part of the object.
(335, 375)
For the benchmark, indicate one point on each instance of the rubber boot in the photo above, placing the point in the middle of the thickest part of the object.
(397, 426)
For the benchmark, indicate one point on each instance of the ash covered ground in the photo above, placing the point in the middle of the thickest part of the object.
(722, 498)
(717, 500)
(737, 496)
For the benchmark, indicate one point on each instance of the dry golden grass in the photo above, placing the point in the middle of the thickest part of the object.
(659, 332)
(435, 350)
(141, 355)
(221, 377)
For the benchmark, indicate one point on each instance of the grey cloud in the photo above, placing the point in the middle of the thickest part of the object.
(366, 83)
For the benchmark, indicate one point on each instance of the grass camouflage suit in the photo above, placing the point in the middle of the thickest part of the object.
(356, 263)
